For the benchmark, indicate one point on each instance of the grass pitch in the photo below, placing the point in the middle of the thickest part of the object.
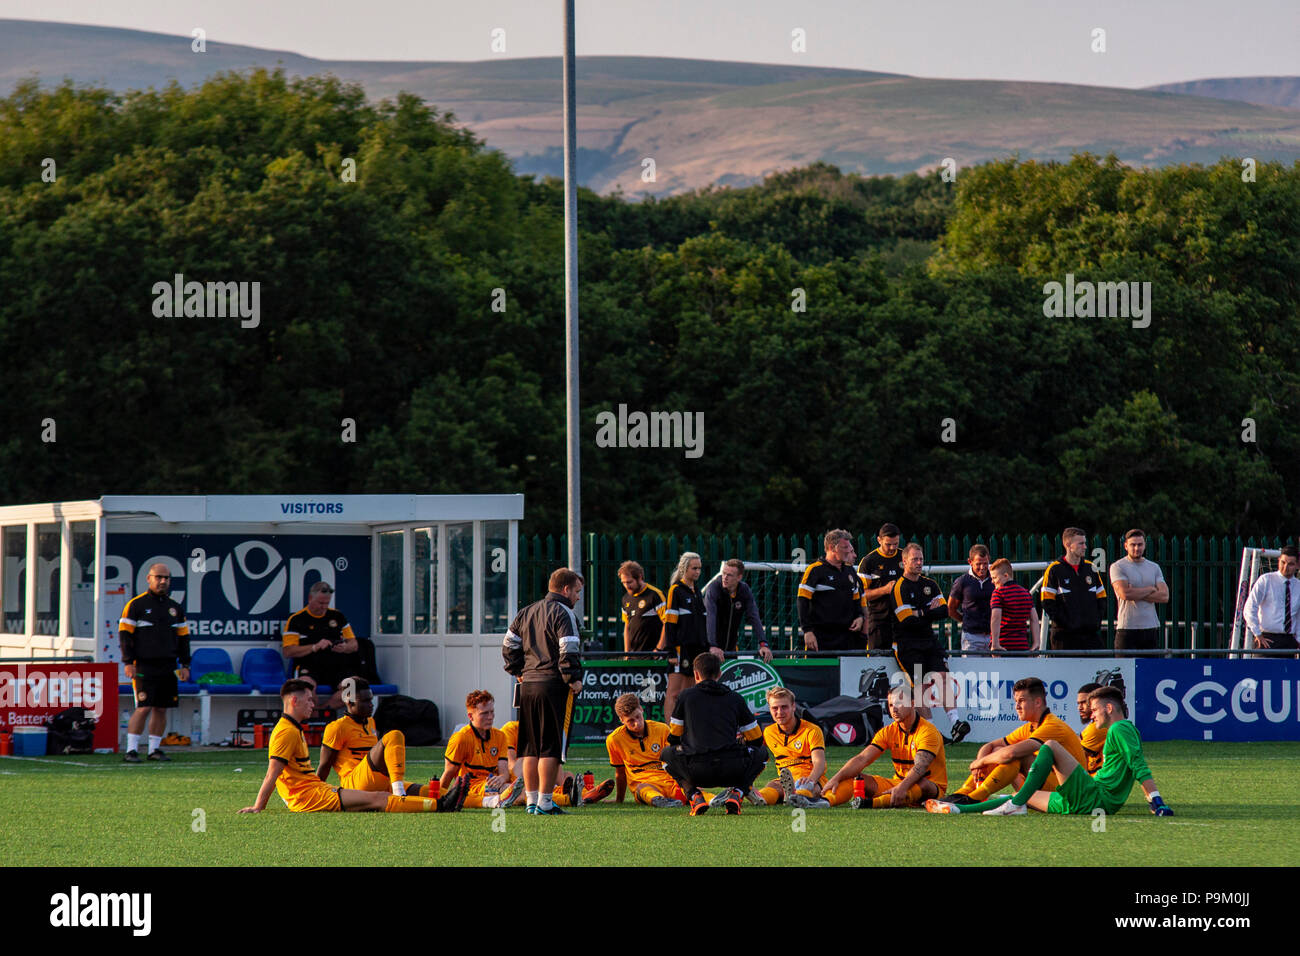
(1236, 805)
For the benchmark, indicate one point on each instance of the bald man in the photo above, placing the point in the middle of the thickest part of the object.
(154, 638)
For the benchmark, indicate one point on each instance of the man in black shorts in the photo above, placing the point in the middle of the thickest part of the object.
(918, 601)
(543, 651)
(703, 747)
(154, 636)
(320, 642)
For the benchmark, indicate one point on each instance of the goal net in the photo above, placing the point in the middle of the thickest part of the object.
(1254, 562)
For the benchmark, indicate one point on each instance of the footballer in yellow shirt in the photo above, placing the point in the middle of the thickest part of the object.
(800, 753)
(351, 745)
(916, 747)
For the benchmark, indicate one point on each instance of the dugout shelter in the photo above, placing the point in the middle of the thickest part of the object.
(432, 580)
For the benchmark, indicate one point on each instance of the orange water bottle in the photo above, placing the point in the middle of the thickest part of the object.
(859, 788)
(435, 785)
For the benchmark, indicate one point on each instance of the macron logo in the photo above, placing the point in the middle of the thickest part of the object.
(75, 909)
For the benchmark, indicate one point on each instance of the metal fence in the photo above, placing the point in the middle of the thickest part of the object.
(1201, 574)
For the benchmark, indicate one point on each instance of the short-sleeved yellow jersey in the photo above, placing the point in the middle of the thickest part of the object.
(476, 755)
(640, 755)
(353, 739)
(1050, 727)
(290, 745)
(511, 730)
(903, 744)
(1094, 743)
(795, 750)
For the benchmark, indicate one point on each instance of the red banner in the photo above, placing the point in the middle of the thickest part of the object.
(29, 693)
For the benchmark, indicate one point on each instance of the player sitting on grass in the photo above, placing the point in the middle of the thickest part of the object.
(916, 747)
(1008, 758)
(800, 753)
(1092, 738)
(478, 750)
(635, 753)
(289, 771)
(1076, 791)
(567, 792)
(351, 745)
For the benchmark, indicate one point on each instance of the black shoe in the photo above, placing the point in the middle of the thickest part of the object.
(959, 731)
(732, 803)
(130, 757)
(159, 756)
(961, 799)
(453, 799)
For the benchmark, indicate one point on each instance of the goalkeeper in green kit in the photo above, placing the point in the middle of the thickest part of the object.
(1077, 792)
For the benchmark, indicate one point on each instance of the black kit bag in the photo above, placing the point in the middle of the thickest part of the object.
(416, 719)
(847, 721)
(70, 732)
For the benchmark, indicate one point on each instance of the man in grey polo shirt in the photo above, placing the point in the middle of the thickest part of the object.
(968, 601)
(1139, 587)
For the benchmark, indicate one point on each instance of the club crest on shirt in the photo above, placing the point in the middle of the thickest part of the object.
(334, 623)
(927, 591)
(171, 611)
(654, 748)
(493, 751)
(1088, 579)
(798, 745)
(641, 604)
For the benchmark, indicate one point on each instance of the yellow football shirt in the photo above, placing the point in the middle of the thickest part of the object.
(290, 745)
(352, 738)
(1050, 727)
(903, 744)
(1094, 743)
(476, 755)
(795, 750)
(642, 756)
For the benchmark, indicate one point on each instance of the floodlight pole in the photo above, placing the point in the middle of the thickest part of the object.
(571, 296)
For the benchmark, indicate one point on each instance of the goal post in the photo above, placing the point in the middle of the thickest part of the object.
(1254, 562)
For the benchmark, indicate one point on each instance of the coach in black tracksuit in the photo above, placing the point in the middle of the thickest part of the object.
(543, 651)
(703, 750)
(153, 636)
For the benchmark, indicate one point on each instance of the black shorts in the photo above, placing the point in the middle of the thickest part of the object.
(545, 716)
(1140, 639)
(880, 634)
(157, 688)
(930, 656)
(737, 767)
(329, 668)
(686, 655)
(844, 640)
(1067, 640)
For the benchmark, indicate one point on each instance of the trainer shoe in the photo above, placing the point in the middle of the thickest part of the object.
(732, 803)
(665, 803)
(699, 805)
(755, 798)
(720, 798)
(554, 810)
(573, 790)
(787, 783)
(511, 794)
(938, 806)
(960, 799)
(1007, 809)
(159, 756)
(532, 809)
(861, 803)
(130, 757)
(599, 792)
(799, 801)
(821, 803)
(450, 801)
(959, 730)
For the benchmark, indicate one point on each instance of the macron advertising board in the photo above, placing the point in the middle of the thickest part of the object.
(243, 587)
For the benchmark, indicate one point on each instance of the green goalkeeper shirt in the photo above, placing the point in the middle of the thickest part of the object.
(1122, 762)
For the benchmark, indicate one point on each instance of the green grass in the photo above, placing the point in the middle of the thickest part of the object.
(1236, 805)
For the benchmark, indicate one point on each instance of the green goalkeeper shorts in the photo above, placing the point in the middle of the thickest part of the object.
(1079, 794)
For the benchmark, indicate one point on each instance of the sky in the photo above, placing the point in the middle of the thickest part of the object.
(1147, 41)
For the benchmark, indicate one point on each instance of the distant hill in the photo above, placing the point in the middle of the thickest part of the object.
(706, 122)
(1281, 91)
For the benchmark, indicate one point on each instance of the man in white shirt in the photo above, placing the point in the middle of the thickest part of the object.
(1273, 608)
(1139, 587)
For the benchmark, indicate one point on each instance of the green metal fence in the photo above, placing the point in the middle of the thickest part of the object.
(1201, 574)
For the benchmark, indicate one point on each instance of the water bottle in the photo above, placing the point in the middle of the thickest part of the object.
(196, 729)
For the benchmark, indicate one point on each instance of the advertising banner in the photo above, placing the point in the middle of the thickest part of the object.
(1219, 699)
(981, 687)
(244, 587)
(29, 693)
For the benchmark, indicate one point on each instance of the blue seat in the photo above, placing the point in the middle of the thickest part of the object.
(382, 689)
(263, 669)
(208, 659)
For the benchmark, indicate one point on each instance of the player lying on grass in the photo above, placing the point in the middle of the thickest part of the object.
(290, 773)
(568, 790)
(351, 745)
(916, 747)
(635, 753)
(800, 753)
(1076, 791)
(1093, 739)
(1007, 759)
(478, 751)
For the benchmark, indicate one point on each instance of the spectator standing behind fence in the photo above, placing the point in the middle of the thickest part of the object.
(880, 571)
(643, 609)
(968, 601)
(1139, 587)
(729, 602)
(1273, 608)
(1011, 608)
(832, 609)
(1074, 598)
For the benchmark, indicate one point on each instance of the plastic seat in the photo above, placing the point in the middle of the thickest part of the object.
(209, 659)
(263, 669)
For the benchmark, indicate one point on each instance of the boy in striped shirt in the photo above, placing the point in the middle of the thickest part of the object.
(1010, 607)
